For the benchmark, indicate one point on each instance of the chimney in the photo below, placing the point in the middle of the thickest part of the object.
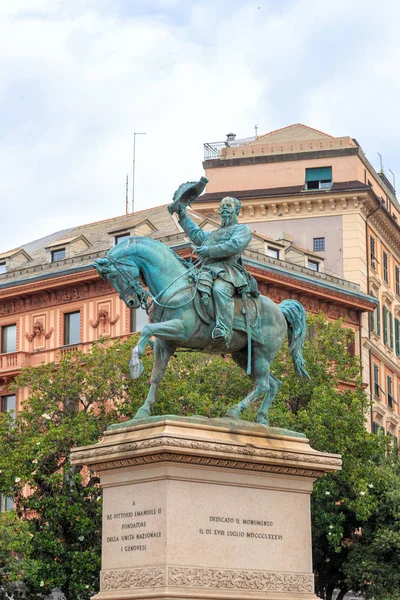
(230, 137)
(285, 238)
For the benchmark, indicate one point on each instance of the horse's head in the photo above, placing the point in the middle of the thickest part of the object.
(118, 267)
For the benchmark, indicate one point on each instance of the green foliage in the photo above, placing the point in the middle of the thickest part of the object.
(71, 403)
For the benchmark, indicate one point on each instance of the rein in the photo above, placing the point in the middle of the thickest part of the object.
(144, 294)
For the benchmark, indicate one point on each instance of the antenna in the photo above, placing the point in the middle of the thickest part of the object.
(126, 197)
(256, 130)
(381, 161)
(394, 178)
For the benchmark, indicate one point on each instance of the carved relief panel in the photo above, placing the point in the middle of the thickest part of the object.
(104, 319)
(38, 333)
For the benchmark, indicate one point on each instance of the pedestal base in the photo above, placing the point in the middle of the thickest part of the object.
(206, 509)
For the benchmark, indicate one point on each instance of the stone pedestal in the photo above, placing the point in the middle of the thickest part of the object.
(205, 509)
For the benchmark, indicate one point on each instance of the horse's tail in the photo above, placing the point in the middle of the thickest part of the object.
(295, 316)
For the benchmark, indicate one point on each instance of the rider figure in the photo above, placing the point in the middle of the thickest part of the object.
(221, 251)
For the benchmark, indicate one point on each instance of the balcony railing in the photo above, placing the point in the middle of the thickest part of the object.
(213, 150)
(13, 361)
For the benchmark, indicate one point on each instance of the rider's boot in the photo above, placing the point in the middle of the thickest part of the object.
(224, 310)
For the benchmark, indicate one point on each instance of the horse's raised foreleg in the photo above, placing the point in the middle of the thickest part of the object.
(261, 388)
(162, 354)
(274, 386)
(167, 330)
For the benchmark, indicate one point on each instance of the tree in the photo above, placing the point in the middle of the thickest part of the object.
(331, 409)
(71, 403)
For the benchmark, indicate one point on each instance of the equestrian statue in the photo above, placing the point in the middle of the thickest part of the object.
(212, 305)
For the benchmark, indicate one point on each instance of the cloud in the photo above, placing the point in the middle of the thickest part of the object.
(77, 79)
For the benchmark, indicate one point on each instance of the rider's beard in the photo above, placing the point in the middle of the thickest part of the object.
(227, 219)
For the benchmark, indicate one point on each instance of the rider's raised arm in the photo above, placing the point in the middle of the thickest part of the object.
(196, 234)
(238, 243)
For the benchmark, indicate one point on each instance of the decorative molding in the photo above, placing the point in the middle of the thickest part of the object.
(56, 297)
(132, 578)
(388, 296)
(109, 457)
(103, 317)
(240, 580)
(200, 577)
(55, 282)
(38, 331)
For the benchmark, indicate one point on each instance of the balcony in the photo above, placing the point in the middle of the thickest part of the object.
(215, 150)
(13, 361)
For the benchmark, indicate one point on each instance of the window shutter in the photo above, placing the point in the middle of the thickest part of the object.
(396, 336)
(391, 329)
(375, 427)
(319, 174)
(385, 331)
(372, 320)
(378, 319)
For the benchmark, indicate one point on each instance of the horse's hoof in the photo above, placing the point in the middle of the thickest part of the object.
(233, 413)
(262, 421)
(142, 413)
(135, 365)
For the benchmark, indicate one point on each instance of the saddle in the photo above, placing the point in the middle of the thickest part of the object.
(241, 321)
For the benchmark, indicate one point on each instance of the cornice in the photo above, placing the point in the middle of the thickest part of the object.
(392, 364)
(300, 284)
(198, 452)
(54, 280)
(38, 299)
(275, 158)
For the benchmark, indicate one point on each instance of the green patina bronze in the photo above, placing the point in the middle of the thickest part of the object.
(210, 306)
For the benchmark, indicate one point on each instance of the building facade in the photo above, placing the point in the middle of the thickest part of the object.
(52, 300)
(310, 190)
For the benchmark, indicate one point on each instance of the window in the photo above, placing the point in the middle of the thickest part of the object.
(6, 503)
(139, 318)
(313, 265)
(58, 254)
(122, 238)
(319, 244)
(390, 329)
(397, 337)
(389, 391)
(8, 338)
(372, 252)
(272, 252)
(375, 427)
(2, 267)
(378, 318)
(376, 381)
(319, 178)
(385, 268)
(385, 329)
(72, 328)
(8, 403)
(397, 272)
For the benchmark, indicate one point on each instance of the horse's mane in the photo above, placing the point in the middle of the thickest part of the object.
(119, 250)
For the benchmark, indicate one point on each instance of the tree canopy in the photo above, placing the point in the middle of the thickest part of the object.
(56, 544)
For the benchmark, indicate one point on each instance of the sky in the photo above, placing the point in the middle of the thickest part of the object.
(79, 77)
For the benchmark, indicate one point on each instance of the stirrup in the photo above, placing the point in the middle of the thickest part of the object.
(218, 333)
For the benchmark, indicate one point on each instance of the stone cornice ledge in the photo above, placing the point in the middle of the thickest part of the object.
(212, 445)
